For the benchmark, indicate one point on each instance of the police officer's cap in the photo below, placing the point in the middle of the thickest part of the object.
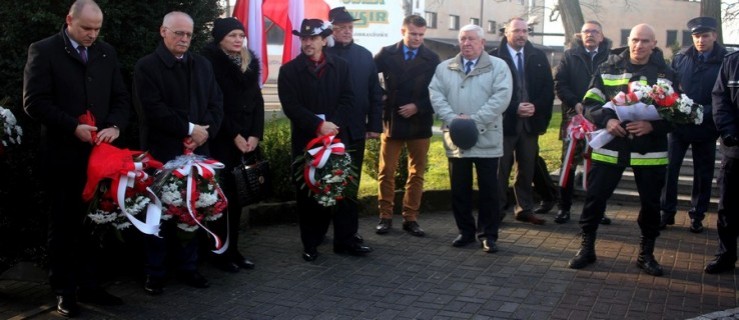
(702, 24)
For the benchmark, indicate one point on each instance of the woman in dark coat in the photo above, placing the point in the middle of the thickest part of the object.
(237, 72)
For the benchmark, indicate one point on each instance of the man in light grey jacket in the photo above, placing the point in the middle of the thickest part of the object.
(475, 88)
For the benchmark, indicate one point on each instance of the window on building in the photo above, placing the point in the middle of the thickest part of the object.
(687, 38)
(475, 21)
(671, 37)
(492, 26)
(453, 22)
(430, 19)
(625, 36)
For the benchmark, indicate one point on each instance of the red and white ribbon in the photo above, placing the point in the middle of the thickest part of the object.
(189, 166)
(577, 129)
(153, 209)
(326, 146)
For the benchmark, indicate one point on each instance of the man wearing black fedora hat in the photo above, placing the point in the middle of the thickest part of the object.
(316, 94)
(365, 121)
(698, 67)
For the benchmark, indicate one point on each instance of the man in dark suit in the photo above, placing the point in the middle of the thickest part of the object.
(527, 116)
(181, 107)
(407, 68)
(588, 50)
(67, 75)
(315, 91)
(366, 122)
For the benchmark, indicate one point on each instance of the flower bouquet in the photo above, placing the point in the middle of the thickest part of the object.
(578, 129)
(117, 186)
(10, 131)
(189, 190)
(649, 103)
(118, 189)
(327, 171)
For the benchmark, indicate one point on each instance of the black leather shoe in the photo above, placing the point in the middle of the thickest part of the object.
(720, 265)
(527, 216)
(666, 219)
(563, 216)
(605, 221)
(67, 306)
(99, 297)
(462, 241)
(310, 256)
(194, 279)
(384, 226)
(489, 246)
(244, 263)
(545, 207)
(358, 238)
(413, 228)
(154, 285)
(226, 265)
(696, 226)
(355, 249)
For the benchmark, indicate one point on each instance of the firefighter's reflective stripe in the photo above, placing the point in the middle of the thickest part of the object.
(635, 159)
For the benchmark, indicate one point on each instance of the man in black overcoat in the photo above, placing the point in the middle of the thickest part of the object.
(181, 107)
(315, 91)
(67, 75)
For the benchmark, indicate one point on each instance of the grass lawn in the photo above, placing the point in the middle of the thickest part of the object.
(437, 174)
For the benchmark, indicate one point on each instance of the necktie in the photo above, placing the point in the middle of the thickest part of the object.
(592, 55)
(83, 53)
(701, 58)
(519, 67)
(468, 67)
(409, 56)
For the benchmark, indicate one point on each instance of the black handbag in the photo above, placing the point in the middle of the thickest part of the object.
(253, 178)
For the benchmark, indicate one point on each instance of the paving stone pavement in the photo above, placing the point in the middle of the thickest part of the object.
(426, 278)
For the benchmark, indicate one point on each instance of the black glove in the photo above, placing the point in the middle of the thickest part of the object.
(730, 141)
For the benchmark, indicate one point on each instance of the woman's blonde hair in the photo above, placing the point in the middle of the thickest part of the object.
(245, 59)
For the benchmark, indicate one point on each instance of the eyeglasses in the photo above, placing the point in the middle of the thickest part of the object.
(590, 31)
(181, 34)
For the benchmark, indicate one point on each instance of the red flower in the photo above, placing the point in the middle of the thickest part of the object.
(668, 101)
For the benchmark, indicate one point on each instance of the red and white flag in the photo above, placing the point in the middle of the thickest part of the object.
(249, 12)
(288, 15)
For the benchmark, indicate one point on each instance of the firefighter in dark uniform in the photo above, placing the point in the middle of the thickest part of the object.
(641, 145)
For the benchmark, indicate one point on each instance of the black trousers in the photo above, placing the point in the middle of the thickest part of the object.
(461, 179)
(314, 219)
(704, 159)
(543, 184)
(73, 249)
(602, 181)
(728, 208)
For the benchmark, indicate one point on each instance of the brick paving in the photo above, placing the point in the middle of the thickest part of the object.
(426, 278)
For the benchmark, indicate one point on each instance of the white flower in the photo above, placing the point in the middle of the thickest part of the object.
(206, 200)
(11, 132)
(102, 217)
(121, 226)
(699, 117)
(187, 227)
(213, 217)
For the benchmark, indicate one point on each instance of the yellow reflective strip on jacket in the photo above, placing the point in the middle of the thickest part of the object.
(603, 158)
(636, 159)
(616, 82)
(648, 159)
(648, 162)
(594, 96)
